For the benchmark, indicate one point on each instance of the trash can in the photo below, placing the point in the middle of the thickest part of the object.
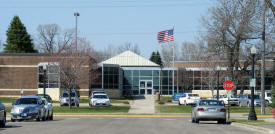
(157, 97)
(273, 111)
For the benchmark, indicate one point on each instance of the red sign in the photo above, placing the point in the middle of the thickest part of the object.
(228, 85)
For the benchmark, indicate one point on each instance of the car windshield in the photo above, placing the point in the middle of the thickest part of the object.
(194, 95)
(65, 95)
(255, 96)
(100, 96)
(22, 101)
(268, 94)
(210, 103)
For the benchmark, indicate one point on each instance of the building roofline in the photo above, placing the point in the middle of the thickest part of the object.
(24, 54)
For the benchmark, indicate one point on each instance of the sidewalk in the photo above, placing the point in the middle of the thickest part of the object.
(142, 105)
(80, 104)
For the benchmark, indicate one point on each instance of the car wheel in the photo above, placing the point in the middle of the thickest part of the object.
(179, 103)
(193, 120)
(223, 121)
(197, 121)
(38, 117)
(3, 122)
(77, 105)
(12, 120)
(51, 117)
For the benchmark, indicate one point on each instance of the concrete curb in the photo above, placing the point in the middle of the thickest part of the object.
(255, 128)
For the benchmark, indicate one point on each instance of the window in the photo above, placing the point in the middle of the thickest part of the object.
(51, 78)
(111, 77)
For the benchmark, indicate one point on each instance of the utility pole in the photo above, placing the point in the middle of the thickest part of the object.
(263, 62)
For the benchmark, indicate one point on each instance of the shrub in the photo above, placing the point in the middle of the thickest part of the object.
(161, 102)
(273, 96)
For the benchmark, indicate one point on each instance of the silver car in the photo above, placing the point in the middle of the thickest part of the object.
(245, 100)
(2, 115)
(28, 107)
(209, 110)
(64, 99)
(49, 109)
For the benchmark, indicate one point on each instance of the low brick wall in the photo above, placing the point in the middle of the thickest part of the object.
(208, 93)
(113, 93)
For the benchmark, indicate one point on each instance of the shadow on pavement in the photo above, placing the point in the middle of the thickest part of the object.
(139, 97)
(9, 126)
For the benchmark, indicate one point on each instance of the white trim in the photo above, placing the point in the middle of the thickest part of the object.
(84, 90)
(18, 65)
(18, 89)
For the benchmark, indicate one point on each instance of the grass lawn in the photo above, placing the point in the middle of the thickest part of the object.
(7, 100)
(255, 123)
(165, 99)
(237, 109)
(188, 109)
(173, 109)
(111, 109)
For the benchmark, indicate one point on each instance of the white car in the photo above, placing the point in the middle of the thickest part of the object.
(189, 98)
(99, 100)
(232, 100)
(49, 109)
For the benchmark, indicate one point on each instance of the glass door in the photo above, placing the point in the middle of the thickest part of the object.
(146, 87)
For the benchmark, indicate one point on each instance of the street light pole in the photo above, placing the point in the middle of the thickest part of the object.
(252, 114)
(76, 14)
(44, 80)
(218, 84)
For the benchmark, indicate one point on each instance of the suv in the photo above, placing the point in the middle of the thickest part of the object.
(189, 98)
(64, 99)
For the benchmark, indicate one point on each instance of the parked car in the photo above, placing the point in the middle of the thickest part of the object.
(97, 92)
(64, 99)
(189, 98)
(209, 110)
(49, 109)
(99, 100)
(232, 100)
(49, 99)
(245, 100)
(3, 115)
(28, 107)
(267, 97)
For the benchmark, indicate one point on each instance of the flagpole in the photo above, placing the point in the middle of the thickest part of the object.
(173, 78)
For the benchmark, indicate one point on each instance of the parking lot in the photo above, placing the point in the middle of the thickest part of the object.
(118, 125)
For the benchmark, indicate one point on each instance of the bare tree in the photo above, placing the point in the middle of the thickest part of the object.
(51, 38)
(167, 54)
(75, 65)
(191, 51)
(230, 26)
(271, 6)
(128, 46)
(47, 36)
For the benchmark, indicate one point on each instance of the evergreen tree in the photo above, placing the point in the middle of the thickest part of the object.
(159, 60)
(18, 40)
(156, 58)
(152, 58)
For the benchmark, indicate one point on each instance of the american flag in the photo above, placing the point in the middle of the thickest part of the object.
(166, 36)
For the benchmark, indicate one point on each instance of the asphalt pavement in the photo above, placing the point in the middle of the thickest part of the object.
(121, 125)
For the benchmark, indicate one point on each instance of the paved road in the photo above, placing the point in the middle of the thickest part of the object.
(123, 125)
